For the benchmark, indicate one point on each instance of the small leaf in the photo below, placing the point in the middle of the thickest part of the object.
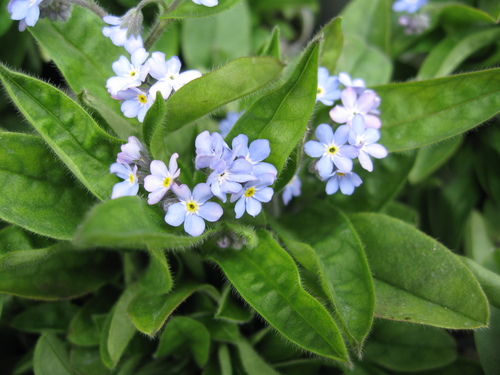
(87, 361)
(487, 344)
(70, 131)
(405, 347)
(416, 278)
(225, 360)
(129, 222)
(51, 356)
(251, 361)
(230, 309)
(182, 331)
(37, 193)
(437, 109)
(267, 278)
(154, 118)
(188, 9)
(282, 116)
(478, 245)
(45, 317)
(272, 48)
(157, 279)
(490, 281)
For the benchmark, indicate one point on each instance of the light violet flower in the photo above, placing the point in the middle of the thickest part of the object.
(227, 124)
(168, 74)
(193, 209)
(252, 194)
(254, 154)
(409, 6)
(130, 185)
(328, 90)
(207, 3)
(346, 181)
(364, 139)
(25, 11)
(209, 149)
(129, 73)
(347, 81)
(161, 178)
(131, 151)
(136, 103)
(331, 149)
(366, 104)
(292, 189)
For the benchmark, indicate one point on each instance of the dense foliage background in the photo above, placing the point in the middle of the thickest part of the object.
(401, 276)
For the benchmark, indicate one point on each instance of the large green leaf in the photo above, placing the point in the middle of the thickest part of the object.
(282, 116)
(51, 357)
(129, 222)
(84, 57)
(37, 193)
(188, 9)
(268, 280)
(215, 89)
(70, 131)
(415, 114)
(416, 278)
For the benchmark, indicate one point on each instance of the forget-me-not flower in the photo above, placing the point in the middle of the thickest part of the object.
(346, 80)
(25, 11)
(129, 73)
(258, 150)
(347, 182)
(364, 139)
(331, 149)
(136, 103)
(409, 6)
(365, 104)
(292, 189)
(130, 185)
(207, 3)
(131, 151)
(161, 178)
(253, 193)
(117, 34)
(193, 209)
(209, 149)
(328, 90)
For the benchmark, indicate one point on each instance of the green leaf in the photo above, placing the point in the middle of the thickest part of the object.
(13, 238)
(492, 7)
(60, 273)
(149, 313)
(251, 360)
(273, 47)
(51, 356)
(154, 118)
(87, 361)
(129, 222)
(430, 159)
(5, 20)
(70, 131)
(215, 89)
(490, 281)
(157, 279)
(416, 114)
(282, 116)
(268, 280)
(487, 344)
(478, 245)
(456, 17)
(230, 309)
(84, 57)
(45, 317)
(409, 348)
(37, 193)
(181, 332)
(453, 50)
(331, 44)
(224, 360)
(416, 278)
(188, 9)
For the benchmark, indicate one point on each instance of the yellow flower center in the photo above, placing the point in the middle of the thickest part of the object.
(332, 150)
(131, 178)
(167, 181)
(340, 174)
(142, 98)
(192, 206)
(250, 192)
(319, 91)
(133, 73)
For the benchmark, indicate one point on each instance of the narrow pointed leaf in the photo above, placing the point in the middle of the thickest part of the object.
(272, 48)
(51, 357)
(154, 118)
(37, 193)
(215, 89)
(437, 109)
(188, 9)
(157, 279)
(230, 309)
(70, 131)
(282, 116)
(416, 278)
(251, 360)
(267, 278)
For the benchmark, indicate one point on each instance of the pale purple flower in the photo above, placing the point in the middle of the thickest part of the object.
(252, 194)
(331, 149)
(136, 103)
(366, 104)
(209, 149)
(364, 139)
(168, 74)
(346, 80)
(254, 154)
(227, 124)
(193, 208)
(25, 11)
(130, 185)
(161, 178)
(409, 6)
(346, 181)
(292, 189)
(328, 90)
(131, 151)
(129, 73)
(207, 3)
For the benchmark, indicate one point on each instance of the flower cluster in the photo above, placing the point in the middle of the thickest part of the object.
(413, 22)
(240, 172)
(139, 78)
(356, 137)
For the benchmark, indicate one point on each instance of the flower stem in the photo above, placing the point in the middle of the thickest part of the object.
(160, 26)
(90, 5)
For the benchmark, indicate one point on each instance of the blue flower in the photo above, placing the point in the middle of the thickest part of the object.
(130, 185)
(365, 103)
(364, 140)
(331, 149)
(252, 194)
(328, 90)
(131, 151)
(129, 73)
(258, 150)
(409, 6)
(26, 11)
(292, 189)
(161, 178)
(193, 209)
(346, 181)
(209, 149)
(346, 80)
(136, 103)
(227, 124)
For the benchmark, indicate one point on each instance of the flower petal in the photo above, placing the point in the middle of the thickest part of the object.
(210, 211)
(194, 225)
(176, 214)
